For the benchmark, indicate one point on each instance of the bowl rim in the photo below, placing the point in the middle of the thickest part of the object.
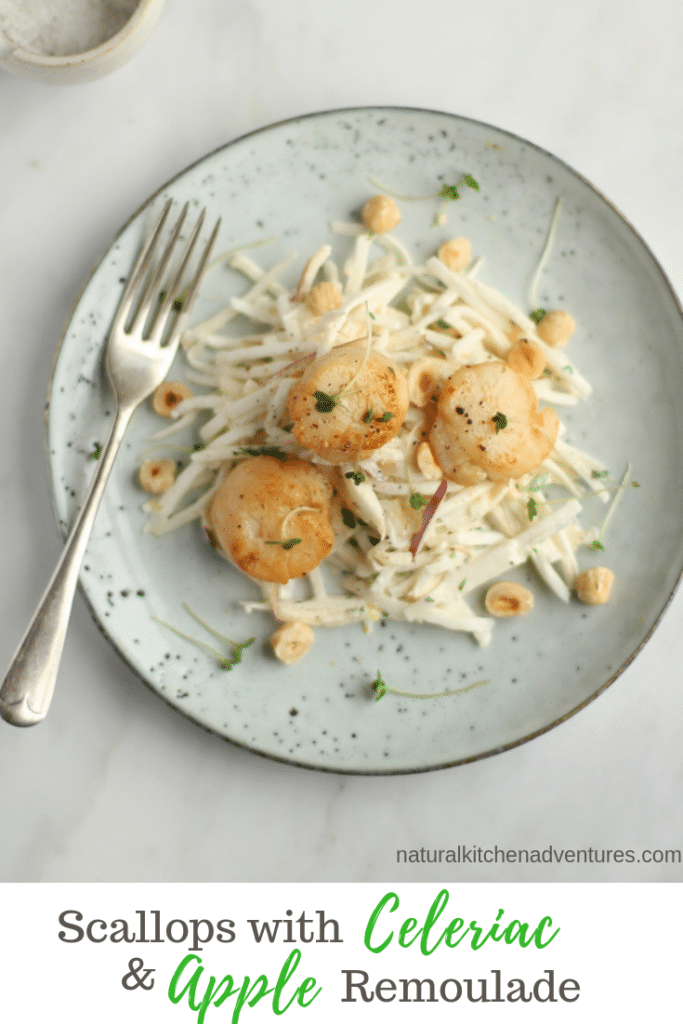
(43, 60)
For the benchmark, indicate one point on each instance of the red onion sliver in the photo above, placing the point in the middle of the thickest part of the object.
(286, 371)
(429, 511)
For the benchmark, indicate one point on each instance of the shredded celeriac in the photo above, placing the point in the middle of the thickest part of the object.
(409, 312)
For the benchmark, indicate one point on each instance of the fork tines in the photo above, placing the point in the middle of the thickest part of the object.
(163, 293)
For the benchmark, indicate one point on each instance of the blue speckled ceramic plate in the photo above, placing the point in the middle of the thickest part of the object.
(288, 181)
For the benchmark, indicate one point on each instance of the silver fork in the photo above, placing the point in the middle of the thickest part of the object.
(142, 344)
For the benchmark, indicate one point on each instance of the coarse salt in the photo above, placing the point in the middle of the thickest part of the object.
(61, 28)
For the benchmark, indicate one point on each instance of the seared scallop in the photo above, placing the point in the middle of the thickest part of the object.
(488, 425)
(348, 403)
(272, 518)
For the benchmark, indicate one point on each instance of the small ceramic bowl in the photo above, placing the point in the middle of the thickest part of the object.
(92, 64)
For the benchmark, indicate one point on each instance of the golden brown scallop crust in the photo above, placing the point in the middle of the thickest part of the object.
(488, 425)
(345, 405)
(272, 518)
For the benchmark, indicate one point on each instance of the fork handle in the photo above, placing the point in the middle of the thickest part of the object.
(27, 689)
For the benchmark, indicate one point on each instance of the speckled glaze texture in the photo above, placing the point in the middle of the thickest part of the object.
(288, 182)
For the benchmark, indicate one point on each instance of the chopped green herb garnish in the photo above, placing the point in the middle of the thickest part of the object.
(356, 476)
(596, 545)
(500, 420)
(96, 451)
(417, 501)
(348, 518)
(472, 182)
(286, 544)
(386, 416)
(537, 314)
(272, 450)
(462, 584)
(532, 509)
(368, 416)
(325, 402)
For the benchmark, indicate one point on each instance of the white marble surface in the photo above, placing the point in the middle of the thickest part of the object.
(114, 785)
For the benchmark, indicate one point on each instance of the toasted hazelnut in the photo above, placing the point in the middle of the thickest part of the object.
(507, 599)
(527, 358)
(456, 253)
(291, 641)
(380, 214)
(323, 298)
(168, 395)
(594, 586)
(426, 462)
(556, 328)
(157, 475)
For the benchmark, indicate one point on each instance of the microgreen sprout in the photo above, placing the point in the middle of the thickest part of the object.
(380, 688)
(537, 315)
(597, 544)
(500, 420)
(417, 501)
(447, 193)
(386, 416)
(450, 193)
(356, 476)
(226, 663)
(543, 259)
(532, 509)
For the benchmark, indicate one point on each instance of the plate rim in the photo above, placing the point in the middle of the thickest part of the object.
(63, 530)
